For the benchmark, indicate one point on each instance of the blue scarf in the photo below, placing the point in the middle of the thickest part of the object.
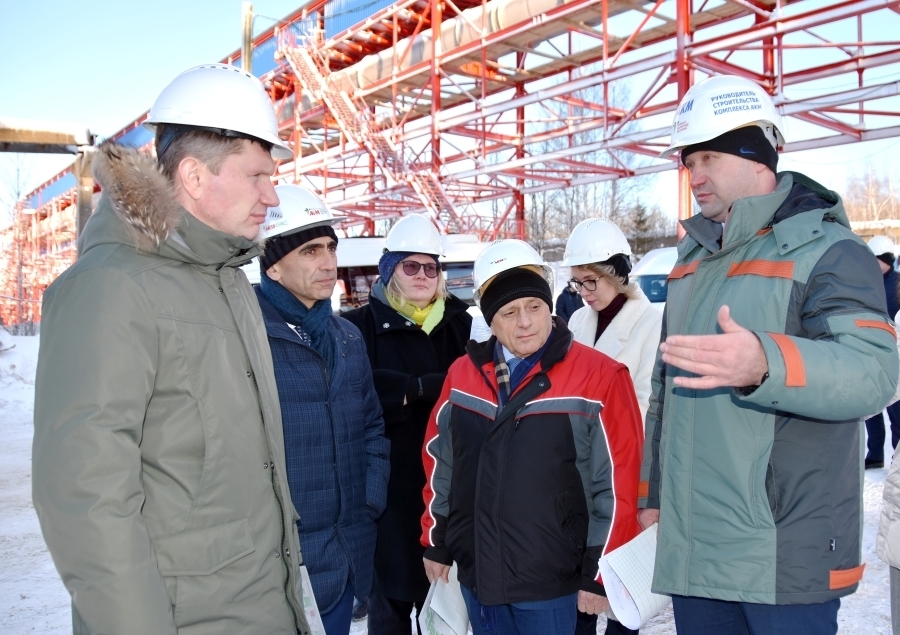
(314, 322)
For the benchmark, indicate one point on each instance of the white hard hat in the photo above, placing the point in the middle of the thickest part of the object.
(503, 255)
(415, 234)
(881, 245)
(221, 98)
(594, 240)
(298, 209)
(719, 104)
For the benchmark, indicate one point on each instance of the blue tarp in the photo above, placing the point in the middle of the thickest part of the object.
(57, 188)
(340, 15)
(136, 137)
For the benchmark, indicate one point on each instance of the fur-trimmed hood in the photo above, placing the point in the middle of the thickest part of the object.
(138, 208)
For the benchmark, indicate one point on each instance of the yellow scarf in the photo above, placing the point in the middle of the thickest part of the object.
(426, 318)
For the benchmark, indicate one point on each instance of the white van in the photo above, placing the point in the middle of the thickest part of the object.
(358, 268)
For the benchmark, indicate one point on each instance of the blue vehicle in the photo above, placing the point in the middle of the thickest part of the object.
(653, 270)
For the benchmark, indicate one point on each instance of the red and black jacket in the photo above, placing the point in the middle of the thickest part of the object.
(527, 499)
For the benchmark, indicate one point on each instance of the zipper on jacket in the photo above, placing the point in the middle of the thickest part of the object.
(334, 452)
(337, 484)
(287, 567)
(239, 254)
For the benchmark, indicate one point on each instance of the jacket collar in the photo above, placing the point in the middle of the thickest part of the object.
(482, 353)
(613, 339)
(277, 328)
(275, 324)
(138, 208)
(794, 211)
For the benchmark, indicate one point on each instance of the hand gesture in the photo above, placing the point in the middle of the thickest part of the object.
(734, 358)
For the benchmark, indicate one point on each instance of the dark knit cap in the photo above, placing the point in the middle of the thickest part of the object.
(748, 142)
(512, 285)
(388, 263)
(887, 258)
(278, 247)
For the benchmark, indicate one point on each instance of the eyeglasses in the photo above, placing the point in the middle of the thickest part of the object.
(590, 285)
(411, 268)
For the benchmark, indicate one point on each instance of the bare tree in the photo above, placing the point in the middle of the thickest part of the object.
(17, 168)
(554, 214)
(871, 197)
(14, 307)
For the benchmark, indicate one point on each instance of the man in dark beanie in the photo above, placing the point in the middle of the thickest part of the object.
(337, 454)
(539, 438)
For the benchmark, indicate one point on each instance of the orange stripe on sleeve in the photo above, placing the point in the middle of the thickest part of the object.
(764, 268)
(875, 324)
(795, 372)
(683, 270)
(643, 489)
(842, 578)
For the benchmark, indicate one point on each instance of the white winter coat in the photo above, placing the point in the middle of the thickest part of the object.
(632, 338)
(888, 541)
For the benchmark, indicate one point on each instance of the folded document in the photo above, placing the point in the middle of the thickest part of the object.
(627, 574)
(444, 611)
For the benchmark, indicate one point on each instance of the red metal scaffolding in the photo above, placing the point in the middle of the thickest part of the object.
(518, 101)
(464, 109)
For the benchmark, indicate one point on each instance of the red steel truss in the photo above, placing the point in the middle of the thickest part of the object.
(464, 111)
(466, 108)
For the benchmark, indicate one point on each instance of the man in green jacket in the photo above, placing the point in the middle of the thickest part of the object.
(775, 345)
(158, 464)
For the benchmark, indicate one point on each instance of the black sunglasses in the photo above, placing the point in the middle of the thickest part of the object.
(411, 268)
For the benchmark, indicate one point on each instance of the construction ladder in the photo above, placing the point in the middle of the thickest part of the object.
(357, 124)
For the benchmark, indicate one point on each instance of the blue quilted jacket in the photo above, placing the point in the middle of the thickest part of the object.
(337, 454)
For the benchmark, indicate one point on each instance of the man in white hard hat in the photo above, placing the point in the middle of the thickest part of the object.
(337, 454)
(532, 455)
(883, 248)
(775, 344)
(159, 474)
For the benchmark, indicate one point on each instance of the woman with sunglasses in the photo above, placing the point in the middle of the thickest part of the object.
(618, 321)
(413, 330)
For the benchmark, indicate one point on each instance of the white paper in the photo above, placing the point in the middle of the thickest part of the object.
(480, 331)
(444, 611)
(627, 574)
(310, 608)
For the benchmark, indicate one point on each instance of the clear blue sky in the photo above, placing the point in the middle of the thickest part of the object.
(102, 63)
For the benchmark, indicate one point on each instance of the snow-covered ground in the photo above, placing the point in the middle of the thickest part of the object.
(33, 600)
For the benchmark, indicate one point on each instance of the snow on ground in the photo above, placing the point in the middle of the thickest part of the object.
(33, 600)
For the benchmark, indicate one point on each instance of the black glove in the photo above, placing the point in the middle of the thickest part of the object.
(427, 387)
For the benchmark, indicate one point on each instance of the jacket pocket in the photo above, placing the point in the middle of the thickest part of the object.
(573, 527)
(203, 551)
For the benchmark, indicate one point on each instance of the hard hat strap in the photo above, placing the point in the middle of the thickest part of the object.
(168, 132)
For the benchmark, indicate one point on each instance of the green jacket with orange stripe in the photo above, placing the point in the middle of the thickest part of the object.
(760, 491)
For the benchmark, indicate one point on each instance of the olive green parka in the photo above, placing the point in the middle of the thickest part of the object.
(158, 462)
